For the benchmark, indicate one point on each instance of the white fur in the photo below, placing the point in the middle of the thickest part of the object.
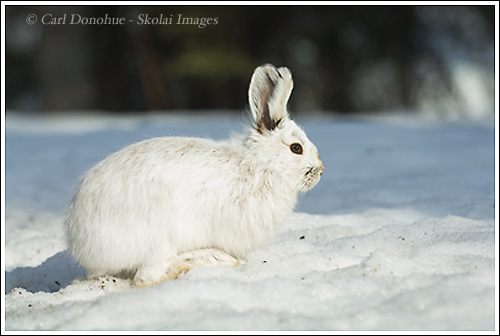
(151, 202)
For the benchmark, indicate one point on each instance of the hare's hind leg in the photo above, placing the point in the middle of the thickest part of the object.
(203, 257)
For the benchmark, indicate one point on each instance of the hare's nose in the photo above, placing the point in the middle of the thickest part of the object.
(321, 167)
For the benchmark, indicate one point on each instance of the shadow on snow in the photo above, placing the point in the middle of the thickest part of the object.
(53, 274)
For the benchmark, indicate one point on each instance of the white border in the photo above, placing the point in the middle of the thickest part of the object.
(497, 218)
(280, 3)
(171, 3)
(3, 181)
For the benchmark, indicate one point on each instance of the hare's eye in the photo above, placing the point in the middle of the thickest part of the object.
(296, 148)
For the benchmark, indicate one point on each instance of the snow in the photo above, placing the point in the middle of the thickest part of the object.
(398, 235)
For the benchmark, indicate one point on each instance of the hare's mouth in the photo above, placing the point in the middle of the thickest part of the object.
(311, 178)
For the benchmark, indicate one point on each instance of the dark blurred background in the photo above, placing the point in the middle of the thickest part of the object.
(344, 58)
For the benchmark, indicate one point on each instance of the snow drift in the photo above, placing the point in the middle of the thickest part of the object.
(399, 234)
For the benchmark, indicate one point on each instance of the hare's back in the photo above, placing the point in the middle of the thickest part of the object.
(166, 160)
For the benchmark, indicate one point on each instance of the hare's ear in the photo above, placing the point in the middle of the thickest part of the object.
(268, 94)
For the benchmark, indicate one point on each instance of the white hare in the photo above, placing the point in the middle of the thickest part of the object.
(161, 206)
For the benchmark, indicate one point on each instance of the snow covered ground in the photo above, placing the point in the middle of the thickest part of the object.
(399, 234)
